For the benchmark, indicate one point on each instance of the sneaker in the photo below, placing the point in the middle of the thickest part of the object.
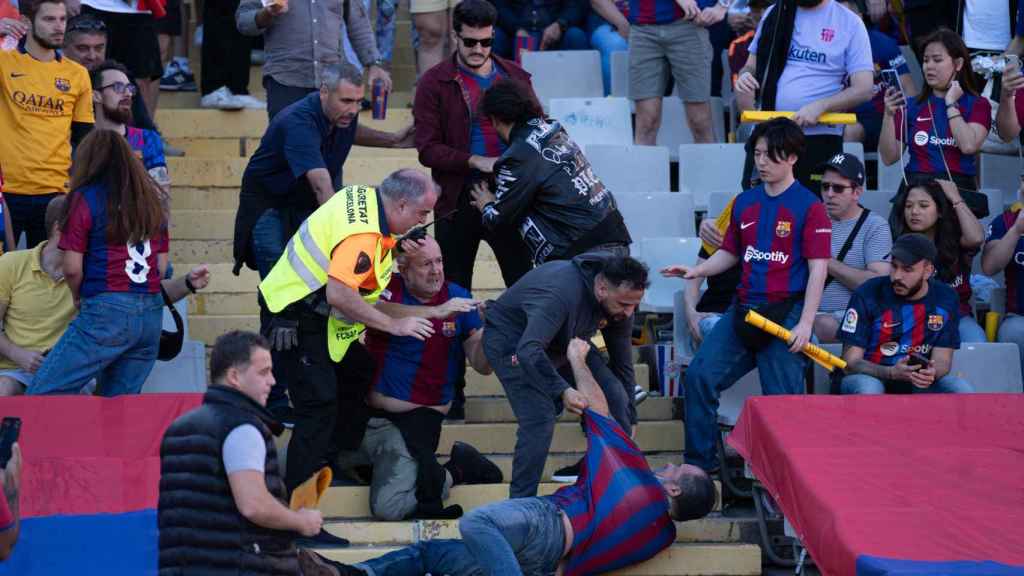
(469, 466)
(639, 394)
(322, 540)
(221, 99)
(251, 102)
(257, 57)
(177, 79)
(569, 474)
(313, 564)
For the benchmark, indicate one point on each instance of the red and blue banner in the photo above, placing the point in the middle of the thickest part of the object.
(896, 484)
(90, 482)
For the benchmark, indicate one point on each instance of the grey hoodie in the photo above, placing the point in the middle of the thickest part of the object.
(537, 317)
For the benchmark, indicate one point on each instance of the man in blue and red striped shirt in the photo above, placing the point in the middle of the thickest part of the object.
(618, 513)
(780, 234)
(900, 332)
(412, 391)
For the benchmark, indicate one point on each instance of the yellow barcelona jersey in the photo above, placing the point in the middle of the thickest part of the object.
(38, 102)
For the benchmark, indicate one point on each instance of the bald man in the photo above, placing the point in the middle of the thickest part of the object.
(412, 391)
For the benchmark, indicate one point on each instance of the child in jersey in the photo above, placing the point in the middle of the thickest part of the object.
(618, 513)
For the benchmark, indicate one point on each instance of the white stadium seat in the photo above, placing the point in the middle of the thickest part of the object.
(631, 169)
(657, 214)
(594, 120)
(564, 74)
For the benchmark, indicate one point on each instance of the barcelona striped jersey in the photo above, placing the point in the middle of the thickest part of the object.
(617, 507)
(1015, 269)
(926, 134)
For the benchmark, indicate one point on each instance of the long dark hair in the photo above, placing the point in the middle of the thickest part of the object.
(956, 48)
(947, 227)
(134, 212)
(511, 102)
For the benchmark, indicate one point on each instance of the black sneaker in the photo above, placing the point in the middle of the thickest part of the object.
(322, 540)
(313, 564)
(569, 474)
(469, 466)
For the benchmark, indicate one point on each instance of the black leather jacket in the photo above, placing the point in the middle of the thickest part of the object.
(546, 188)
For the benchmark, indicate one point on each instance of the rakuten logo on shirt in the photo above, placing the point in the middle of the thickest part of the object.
(753, 254)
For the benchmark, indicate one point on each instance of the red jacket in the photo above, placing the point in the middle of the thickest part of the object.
(442, 116)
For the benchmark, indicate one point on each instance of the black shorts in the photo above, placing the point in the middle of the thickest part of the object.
(171, 23)
(131, 40)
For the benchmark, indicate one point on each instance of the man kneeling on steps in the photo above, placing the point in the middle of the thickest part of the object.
(617, 514)
(413, 386)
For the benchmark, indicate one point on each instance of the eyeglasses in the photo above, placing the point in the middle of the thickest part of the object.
(472, 42)
(829, 186)
(86, 24)
(121, 88)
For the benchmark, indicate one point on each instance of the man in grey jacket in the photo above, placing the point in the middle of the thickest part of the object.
(292, 69)
(527, 330)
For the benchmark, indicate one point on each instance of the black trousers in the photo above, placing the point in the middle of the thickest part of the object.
(28, 214)
(280, 96)
(817, 150)
(226, 52)
(330, 412)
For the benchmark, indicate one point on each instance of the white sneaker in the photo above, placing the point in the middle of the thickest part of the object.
(221, 99)
(251, 102)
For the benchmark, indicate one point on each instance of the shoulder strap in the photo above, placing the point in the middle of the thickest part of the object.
(849, 241)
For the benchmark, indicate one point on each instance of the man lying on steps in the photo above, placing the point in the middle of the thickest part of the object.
(617, 514)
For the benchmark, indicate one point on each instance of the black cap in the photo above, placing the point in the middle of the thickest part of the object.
(847, 165)
(912, 248)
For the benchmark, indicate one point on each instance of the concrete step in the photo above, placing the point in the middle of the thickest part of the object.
(488, 385)
(497, 409)
(374, 533)
(559, 460)
(227, 172)
(678, 559)
(200, 124)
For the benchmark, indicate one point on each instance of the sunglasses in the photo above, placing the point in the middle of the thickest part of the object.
(828, 187)
(121, 88)
(472, 42)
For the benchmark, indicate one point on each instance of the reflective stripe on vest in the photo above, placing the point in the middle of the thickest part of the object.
(304, 266)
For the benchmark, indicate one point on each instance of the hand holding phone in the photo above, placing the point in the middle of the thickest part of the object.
(10, 429)
(891, 79)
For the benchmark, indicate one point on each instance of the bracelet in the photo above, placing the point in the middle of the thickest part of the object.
(188, 284)
(948, 117)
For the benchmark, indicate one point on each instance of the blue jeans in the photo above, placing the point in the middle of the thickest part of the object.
(384, 31)
(512, 537)
(1011, 329)
(114, 338)
(606, 40)
(573, 39)
(970, 330)
(720, 362)
(864, 384)
(268, 244)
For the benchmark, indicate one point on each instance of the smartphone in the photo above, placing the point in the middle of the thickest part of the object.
(918, 360)
(1012, 61)
(10, 428)
(891, 79)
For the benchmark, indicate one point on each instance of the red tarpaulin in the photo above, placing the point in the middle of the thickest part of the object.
(895, 484)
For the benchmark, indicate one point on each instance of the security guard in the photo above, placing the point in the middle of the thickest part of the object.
(327, 282)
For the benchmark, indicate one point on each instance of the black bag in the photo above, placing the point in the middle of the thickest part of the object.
(753, 337)
(171, 342)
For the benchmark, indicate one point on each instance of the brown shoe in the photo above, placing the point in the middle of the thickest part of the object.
(312, 564)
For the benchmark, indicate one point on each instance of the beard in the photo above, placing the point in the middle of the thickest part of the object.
(911, 290)
(44, 42)
(118, 115)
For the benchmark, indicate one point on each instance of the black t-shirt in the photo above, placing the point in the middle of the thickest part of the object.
(721, 289)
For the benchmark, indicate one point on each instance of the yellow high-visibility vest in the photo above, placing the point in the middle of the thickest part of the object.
(302, 269)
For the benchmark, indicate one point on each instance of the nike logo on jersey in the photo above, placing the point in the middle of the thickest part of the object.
(745, 225)
(890, 324)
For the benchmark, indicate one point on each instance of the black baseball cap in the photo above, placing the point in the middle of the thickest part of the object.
(847, 165)
(912, 248)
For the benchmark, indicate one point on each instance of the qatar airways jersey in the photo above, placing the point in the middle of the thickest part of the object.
(774, 237)
(928, 139)
(889, 327)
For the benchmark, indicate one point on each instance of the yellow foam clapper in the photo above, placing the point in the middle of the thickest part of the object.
(309, 493)
(754, 116)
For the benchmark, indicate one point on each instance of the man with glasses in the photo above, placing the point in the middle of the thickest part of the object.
(460, 147)
(112, 96)
(861, 241)
(45, 103)
(85, 42)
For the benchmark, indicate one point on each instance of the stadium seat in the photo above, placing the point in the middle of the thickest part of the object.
(717, 201)
(185, 373)
(914, 65)
(657, 214)
(878, 201)
(631, 169)
(855, 148)
(822, 384)
(675, 131)
(996, 199)
(1000, 172)
(620, 74)
(890, 177)
(730, 402)
(992, 367)
(564, 74)
(706, 168)
(657, 253)
(594, 120)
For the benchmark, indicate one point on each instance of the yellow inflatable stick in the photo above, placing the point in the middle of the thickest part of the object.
(754, 116)
(823, 357)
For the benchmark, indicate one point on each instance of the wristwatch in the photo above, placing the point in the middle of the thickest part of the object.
(379, 63)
